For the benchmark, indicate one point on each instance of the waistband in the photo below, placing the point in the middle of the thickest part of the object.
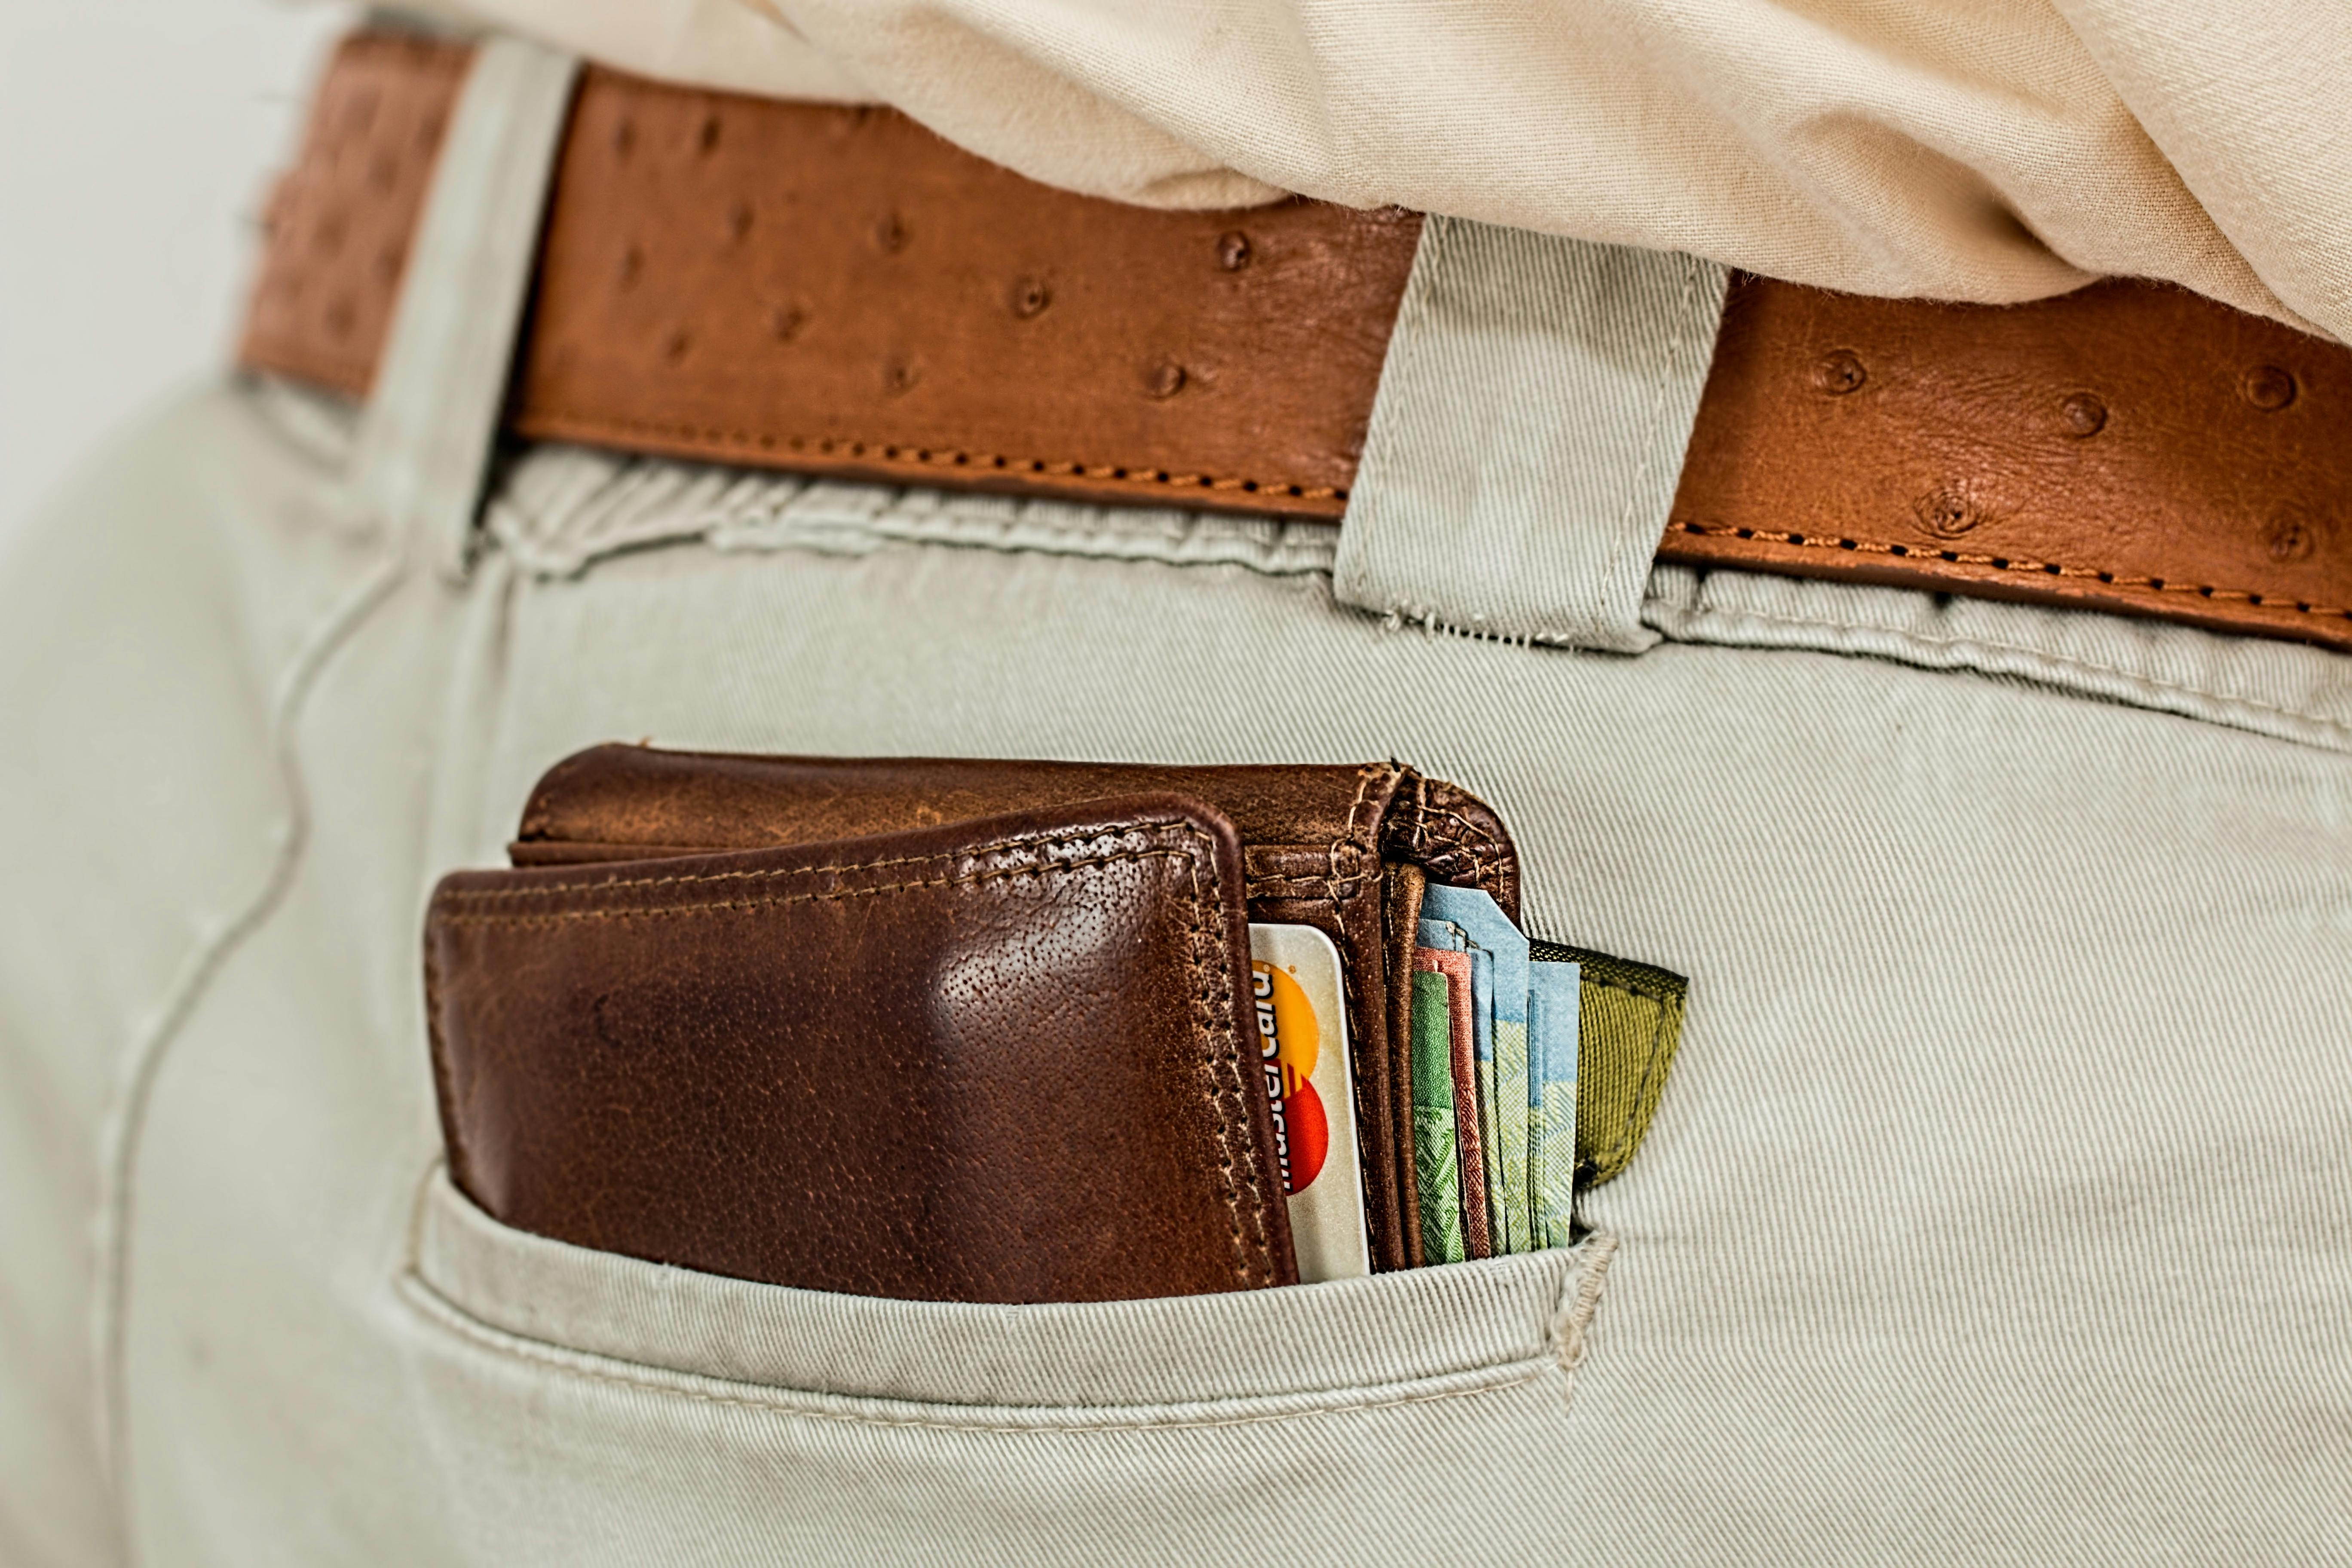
(836, 291)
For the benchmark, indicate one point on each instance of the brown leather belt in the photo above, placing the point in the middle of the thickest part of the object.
(837, 292)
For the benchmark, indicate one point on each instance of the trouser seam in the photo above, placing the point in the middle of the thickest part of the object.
(1669, 609)
(142, 1063)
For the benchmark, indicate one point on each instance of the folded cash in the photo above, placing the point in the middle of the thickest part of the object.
(1496, 1124)
(1483, 924)
(1445, 936)
(1477, 1231)
(1437, 1175)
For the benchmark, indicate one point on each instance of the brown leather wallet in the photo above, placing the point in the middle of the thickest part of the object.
(1342, 849)
(1006, 1059)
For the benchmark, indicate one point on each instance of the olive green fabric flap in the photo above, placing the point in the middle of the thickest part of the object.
(1629, 1022)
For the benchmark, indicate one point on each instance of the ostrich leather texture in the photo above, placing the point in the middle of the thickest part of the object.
(2131, 447)
(1009, 1060)
(836, 291)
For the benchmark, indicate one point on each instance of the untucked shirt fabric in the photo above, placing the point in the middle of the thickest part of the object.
(1983, 149)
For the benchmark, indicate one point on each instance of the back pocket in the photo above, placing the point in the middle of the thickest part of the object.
(591, 1408)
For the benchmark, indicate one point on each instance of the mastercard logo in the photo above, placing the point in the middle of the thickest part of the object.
(1289, 1038)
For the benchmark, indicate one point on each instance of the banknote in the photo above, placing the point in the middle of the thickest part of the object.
(1446, 935)
(1482, 1041)
(1555, 1007)
(1484, 925)
(1477, 1229)
(1437, 1176)
(1297, 982)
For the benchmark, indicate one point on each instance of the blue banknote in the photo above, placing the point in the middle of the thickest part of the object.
(1555, 1008)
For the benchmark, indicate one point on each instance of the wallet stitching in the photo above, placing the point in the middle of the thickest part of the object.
(1333, 882)
(1485, 852)
(774, 873)
(1482, 862)
(1204, 1005)
(1204, 1023)
(657, 911)
(563, 1359)
(1301, 888)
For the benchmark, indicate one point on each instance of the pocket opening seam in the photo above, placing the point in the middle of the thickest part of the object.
(427, 1302)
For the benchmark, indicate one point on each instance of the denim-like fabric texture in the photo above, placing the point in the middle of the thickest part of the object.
(1529, 434)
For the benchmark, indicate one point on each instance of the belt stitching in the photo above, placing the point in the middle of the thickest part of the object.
(574, 425)
(2008, 563)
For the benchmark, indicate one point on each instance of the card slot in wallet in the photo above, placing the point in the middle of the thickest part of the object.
(1004, 1057)
(1343, 849)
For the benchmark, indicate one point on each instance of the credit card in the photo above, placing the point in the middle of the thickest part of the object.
(1302, 1020)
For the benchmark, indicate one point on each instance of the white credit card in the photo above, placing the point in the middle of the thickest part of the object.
(1302, 1020)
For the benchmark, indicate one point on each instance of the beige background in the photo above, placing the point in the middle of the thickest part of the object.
(135, 138)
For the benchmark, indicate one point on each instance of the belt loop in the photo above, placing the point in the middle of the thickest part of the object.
(425, 438)
(1528, 435)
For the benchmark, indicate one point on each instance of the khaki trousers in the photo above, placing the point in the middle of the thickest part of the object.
(1999, 1208)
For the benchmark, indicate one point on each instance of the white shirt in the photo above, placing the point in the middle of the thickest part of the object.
(1989, 150)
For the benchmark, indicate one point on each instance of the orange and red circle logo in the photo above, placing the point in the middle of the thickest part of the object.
(1289, 1038)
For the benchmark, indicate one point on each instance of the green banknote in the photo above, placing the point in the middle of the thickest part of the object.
(1437, 1176)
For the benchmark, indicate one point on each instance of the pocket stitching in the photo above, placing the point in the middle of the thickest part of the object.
(425, 1298)
(1572, 1323)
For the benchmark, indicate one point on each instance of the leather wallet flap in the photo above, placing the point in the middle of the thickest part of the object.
(1302, 825)
(997, 1060)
